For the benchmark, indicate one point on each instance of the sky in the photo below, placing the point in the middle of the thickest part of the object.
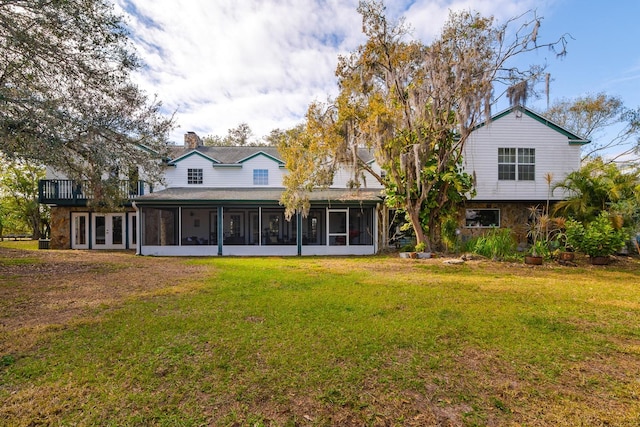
(218, 63)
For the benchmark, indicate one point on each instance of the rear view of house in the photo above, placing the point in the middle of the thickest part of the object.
(226, 200)
(218, 201)
(515, 159)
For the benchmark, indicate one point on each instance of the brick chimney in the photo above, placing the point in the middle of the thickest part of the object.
(192, 141)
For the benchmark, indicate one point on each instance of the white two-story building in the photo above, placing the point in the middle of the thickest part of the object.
(226, 200)
(220, 201)
(515, 160)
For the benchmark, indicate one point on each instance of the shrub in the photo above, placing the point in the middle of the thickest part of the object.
(450, 234)
(420, 247)
(498, 243)
(598, 238)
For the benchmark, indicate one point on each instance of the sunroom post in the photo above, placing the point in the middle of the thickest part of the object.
(220, 230)
(299, 231)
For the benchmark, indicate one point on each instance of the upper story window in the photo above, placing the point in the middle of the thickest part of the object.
(516, 164)
(261, 177)
(194, 176)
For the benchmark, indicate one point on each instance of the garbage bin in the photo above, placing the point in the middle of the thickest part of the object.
(43, 243)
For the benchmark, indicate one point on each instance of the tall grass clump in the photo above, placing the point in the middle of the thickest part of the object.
(497, 243)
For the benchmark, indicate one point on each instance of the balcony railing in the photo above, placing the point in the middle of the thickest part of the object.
(70, 192)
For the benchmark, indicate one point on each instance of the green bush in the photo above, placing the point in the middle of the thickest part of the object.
(420, 247)
(597, 238)
(498, 243)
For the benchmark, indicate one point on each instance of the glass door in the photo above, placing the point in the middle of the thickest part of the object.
(337, 226)
(108, 231)
(100, 230)
(79, 231)
(133, 231)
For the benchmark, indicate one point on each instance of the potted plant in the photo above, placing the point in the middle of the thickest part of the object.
(407, 251)
(599, 239)
(420, 247)
(559, 244)
(538, 232)
(566, 254)
(536, 252)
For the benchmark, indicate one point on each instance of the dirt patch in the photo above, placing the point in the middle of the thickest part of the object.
(40, 289)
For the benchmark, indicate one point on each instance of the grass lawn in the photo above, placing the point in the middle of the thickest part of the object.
(91, 338)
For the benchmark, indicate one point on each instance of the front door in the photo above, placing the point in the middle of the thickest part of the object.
(109, 231)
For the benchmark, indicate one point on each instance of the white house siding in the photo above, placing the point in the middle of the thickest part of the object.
(554, 154)
(51, 173)
(344, 175)
(176, 175)
(244, 177)
(223, 176)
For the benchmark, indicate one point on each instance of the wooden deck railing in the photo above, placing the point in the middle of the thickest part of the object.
(70, 191)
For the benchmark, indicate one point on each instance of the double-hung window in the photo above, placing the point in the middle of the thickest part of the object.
(194, 176)
(526, 164)
(261, 177)
(516, 164)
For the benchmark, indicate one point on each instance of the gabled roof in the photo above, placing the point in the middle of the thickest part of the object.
(261, 153)
(189, 154)
(231, 156)
(573, 138)
(221, 156)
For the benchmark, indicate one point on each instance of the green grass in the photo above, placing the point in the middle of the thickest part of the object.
(20, 244)
(350, 341)
(18, 261)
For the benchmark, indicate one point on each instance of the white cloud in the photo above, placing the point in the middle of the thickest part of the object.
(218, 64)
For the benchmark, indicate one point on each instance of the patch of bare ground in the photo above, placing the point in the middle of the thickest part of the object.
(602, 390)
(49, 289)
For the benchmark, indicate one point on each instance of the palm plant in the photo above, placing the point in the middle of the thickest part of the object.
(587, 193)
(539, 230)
(596, 187)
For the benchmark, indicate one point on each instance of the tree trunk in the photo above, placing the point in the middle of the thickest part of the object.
(414, 217)
(35, 226)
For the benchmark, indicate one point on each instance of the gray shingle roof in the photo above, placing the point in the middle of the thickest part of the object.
(233, 155)
(202, 195)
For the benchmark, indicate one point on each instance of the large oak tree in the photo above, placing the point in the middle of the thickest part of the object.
(66, 95)
(414, 106)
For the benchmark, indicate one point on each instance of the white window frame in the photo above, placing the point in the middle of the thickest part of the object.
(79, 235)
(261, 177)
(194, 176)
(516, 157)
(133, 230)
(530, 156)
(339, 236)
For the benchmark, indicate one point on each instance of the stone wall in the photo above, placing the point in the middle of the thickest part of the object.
(61, 226)
(513, 215)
